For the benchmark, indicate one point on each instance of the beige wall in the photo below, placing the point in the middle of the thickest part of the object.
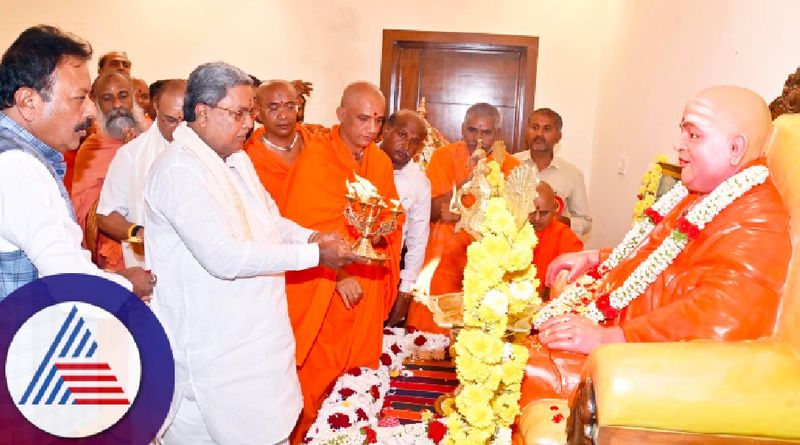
(617, 70)
(663, 51)
(334, 42)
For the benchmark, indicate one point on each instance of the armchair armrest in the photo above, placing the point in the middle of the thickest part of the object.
(742, 388)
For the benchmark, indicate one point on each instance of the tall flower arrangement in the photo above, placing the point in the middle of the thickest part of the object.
(499, 291)
(649, 188)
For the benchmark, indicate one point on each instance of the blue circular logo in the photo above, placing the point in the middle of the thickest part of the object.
(84, 361)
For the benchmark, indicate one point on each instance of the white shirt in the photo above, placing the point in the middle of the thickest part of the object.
(568, 183)
(222, 300)
(414, 189)
(124, 184)
(34, 217)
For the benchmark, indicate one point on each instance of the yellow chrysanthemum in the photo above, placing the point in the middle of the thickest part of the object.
(474, 394)
(488, 348)
(477, 415)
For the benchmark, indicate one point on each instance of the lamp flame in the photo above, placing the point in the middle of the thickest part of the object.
(422, 287)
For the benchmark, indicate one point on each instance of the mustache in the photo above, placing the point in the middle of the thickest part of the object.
(119, 112)
(85, 125)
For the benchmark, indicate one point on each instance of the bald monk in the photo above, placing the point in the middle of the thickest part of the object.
(452, 165)
(721, 286)
(555, 237)
(119, 122)
(338, 316)
(141, 92)
(274, 148)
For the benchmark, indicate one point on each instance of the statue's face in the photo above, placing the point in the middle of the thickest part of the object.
(704, 146)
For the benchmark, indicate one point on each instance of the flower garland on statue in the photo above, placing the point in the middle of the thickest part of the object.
(499, 289)
(577, 297)
(647, 191)
(350, 414)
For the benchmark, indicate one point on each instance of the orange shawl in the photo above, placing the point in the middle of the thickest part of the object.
(721, 287)
(315, 198)
(91, 165)
(272, 170)
(555, 239)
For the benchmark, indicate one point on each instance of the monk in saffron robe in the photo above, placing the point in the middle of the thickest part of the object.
(274, 148)
(721, 286)
(119, 122)
(554, 237)
(338, 316)
(452, 165)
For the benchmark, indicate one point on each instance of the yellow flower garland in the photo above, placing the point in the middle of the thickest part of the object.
(499, 289)
(649, 188)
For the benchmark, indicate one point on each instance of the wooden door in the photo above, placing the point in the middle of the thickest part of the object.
(453, 71)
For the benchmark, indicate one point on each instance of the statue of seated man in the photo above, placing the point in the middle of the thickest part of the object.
(696, 268)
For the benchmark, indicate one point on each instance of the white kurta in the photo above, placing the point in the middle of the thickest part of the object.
(222, 299)
(414, 189)
(35, 218)
(123, 188)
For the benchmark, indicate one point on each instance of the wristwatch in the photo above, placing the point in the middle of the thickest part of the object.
(132, 231)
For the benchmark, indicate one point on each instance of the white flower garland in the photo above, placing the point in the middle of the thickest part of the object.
(353, 398)
(577, 295)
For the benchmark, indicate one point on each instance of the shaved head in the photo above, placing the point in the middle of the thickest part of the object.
(361, 115)
(546, 193)
(141, 93)
(278, 102)
(269, 87)
(546, 207)
(723, 129)
(359, 90)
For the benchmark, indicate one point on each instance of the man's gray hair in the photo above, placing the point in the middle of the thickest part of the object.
(482, 109)
(208, 84)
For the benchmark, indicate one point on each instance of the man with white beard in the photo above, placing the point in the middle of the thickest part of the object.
(119, 120)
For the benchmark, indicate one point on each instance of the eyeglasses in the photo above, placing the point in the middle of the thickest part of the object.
(276, 107)
(239, 114)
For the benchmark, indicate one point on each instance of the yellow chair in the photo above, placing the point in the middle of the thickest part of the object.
(705, 392)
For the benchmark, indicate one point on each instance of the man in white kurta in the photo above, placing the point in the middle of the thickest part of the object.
(219, 247)
(403, 135)
(120, 211)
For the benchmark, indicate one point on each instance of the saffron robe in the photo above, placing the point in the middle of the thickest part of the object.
(555, 239)
(91, 165)
(331, 339)
(449, 166)
(272, 170)
(721, 287)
